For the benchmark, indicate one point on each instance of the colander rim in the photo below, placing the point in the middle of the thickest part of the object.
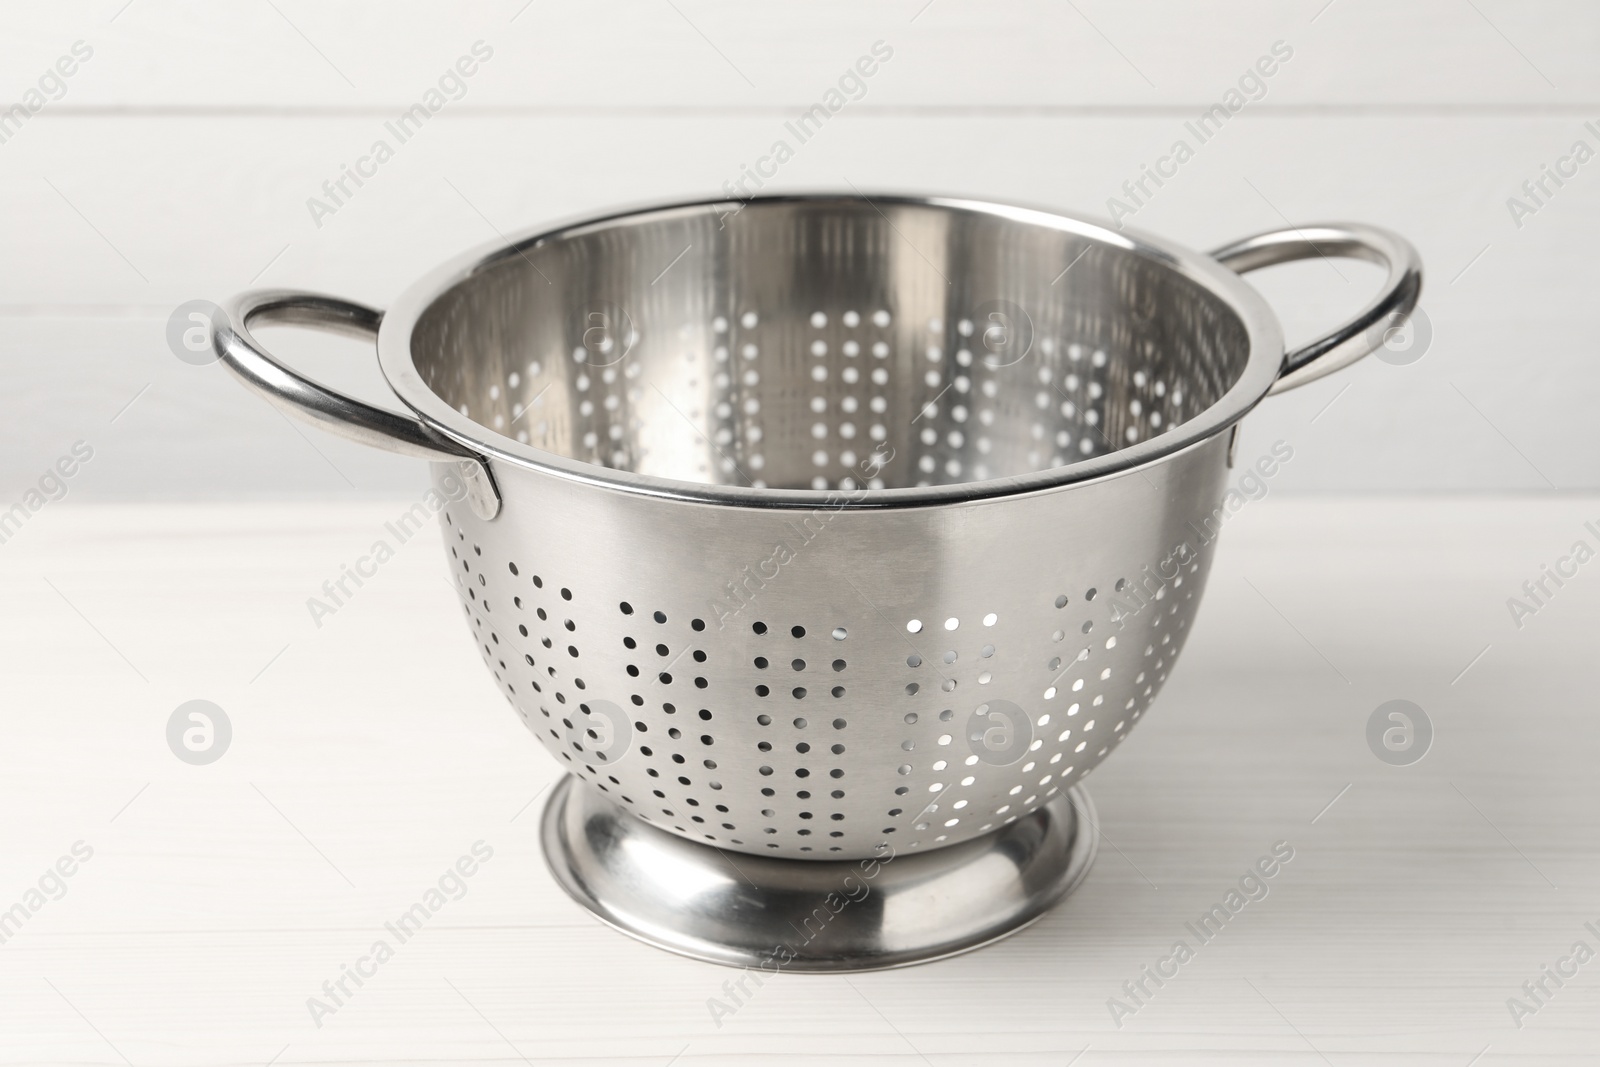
(1261, 370)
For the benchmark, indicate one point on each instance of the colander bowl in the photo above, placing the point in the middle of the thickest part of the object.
(830, 530)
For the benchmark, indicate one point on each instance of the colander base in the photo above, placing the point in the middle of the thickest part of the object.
(786, 915)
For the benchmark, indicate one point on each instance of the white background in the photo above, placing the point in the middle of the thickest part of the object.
(179, 161)
(368, 753)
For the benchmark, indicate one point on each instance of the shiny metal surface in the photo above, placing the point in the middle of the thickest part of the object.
(818, 684)
(827, 527)
(707, 586)
(990, 254)
(1358, 337)
(762, 357)
(776, 916)
(239, 351)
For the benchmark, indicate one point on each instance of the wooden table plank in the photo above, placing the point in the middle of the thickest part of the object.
(370, 753)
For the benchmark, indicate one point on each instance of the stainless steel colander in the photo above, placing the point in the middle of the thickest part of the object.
(823, 527)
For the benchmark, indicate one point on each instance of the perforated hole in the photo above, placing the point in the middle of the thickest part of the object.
(643, 653)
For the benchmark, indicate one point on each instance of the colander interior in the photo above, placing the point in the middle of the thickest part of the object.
(819, 343)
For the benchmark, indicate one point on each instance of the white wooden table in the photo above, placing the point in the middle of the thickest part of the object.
(369, 754)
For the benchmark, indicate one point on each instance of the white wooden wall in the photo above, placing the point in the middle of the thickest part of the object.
(179, 159)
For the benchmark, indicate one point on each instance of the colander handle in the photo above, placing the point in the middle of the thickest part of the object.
(1364, 333)
(295, 394)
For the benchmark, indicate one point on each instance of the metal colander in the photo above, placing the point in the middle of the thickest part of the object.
(813, 526)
